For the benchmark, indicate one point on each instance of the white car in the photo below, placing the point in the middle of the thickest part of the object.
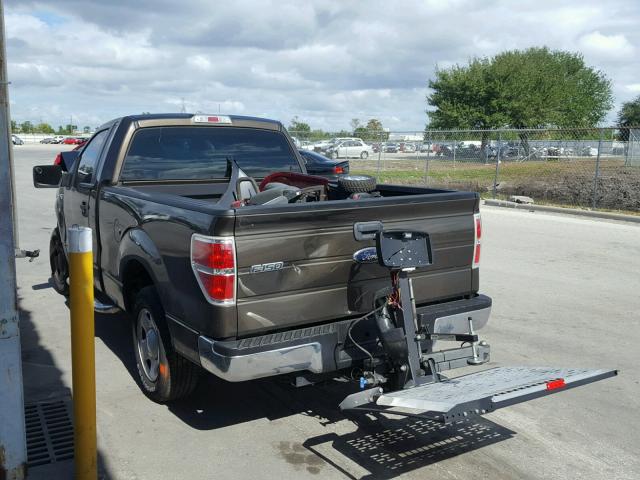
(590, 151)
(350, 149)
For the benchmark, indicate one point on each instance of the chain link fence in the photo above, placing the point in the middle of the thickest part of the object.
(595, 167)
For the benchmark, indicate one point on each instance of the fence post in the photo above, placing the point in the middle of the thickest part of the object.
(379, 154)
(495, 178)
(454, 154)
(597, 172)
(83, 351)
(426, 164)
(417, 154)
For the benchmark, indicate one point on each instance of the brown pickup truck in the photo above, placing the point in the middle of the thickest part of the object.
(231, 259)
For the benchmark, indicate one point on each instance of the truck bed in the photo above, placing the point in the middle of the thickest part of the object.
(318, 281)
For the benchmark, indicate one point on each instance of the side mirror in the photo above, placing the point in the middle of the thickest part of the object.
(69, 158)
(47, 176)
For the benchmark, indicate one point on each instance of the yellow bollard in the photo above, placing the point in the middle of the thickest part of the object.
(83, 351)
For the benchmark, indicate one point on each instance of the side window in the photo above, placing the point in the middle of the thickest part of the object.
(89, 158)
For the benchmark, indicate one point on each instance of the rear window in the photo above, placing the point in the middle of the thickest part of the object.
(202, 153)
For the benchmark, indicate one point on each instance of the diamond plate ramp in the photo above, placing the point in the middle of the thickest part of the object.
(488, 390)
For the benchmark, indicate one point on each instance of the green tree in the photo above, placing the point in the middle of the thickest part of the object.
(361, 132)
(27, 127)
(355, 123)
(530, 88)
(299, 128)
(628, 116)
(376, 130)
(44, 128)
(14, 126)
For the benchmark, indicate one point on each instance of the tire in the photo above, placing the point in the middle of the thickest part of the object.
(334, 155)
(357, 183)
(164, 375)
(364, 155)
(59, 265)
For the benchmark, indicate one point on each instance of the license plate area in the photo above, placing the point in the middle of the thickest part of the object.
(486, 391)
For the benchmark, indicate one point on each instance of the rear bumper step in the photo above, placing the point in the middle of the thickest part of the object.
(482, 392)
(314, 349)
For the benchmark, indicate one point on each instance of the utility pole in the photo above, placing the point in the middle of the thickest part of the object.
(13, 450)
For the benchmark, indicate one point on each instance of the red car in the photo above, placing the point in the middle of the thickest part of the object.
(74, 141)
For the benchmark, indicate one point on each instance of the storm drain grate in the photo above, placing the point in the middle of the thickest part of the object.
(49, 432)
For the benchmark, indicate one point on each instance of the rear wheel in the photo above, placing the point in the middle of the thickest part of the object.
(164, 374)
(59, 265)
(334, 155)
(364, 154)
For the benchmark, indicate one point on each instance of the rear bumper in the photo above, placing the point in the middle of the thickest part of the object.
(320, 349)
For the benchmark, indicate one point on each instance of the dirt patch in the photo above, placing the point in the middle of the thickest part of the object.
(615, 190)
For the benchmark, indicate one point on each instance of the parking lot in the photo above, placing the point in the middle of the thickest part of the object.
(565, 293)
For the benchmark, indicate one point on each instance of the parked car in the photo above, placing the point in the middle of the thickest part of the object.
(425, 147)
(324, 146)
(407, 147)
(318, 164)
(350, 149)
(48, 140)
(58, 139)
(306, 145)
(390, 147)
(74, 140)
(16, 140)
(590, 151)
(230, 260)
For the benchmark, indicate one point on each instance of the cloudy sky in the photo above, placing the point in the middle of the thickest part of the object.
(324, 61)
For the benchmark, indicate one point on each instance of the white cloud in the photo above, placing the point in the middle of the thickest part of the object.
(611, 46)
(324, 61)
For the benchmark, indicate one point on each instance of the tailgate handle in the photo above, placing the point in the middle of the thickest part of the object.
(366, 230)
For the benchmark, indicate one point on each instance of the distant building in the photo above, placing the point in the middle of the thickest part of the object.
(402, 137)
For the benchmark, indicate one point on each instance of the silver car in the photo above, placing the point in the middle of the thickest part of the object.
(350, 149)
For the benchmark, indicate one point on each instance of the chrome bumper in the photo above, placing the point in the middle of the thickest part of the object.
(307, 353)
(260, 364)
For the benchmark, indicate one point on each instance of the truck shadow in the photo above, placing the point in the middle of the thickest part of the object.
(382, 446)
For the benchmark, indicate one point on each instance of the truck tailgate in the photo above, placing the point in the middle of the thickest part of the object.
(295, 263)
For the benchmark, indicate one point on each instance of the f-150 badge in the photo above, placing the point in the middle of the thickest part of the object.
(267, 267)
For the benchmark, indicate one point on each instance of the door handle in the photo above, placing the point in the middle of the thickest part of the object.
(84, 208)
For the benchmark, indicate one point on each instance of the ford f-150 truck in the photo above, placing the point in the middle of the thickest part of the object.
(229, 258)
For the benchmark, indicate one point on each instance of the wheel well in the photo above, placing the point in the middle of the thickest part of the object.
(135, 277)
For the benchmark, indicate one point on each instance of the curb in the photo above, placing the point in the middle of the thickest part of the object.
(567, 211)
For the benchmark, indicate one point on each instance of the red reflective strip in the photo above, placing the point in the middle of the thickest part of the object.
(478, 228)
(476, 254)
(553, 384)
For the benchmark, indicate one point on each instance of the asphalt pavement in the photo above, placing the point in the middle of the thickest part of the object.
(566, 292)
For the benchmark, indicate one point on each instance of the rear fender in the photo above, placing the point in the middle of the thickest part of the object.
(136, 245)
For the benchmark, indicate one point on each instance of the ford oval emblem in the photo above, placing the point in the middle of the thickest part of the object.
(366, 255)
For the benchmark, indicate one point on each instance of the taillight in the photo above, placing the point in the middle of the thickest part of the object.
(338, 169)
(58, 160)
(213, 260)
(477, 236)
